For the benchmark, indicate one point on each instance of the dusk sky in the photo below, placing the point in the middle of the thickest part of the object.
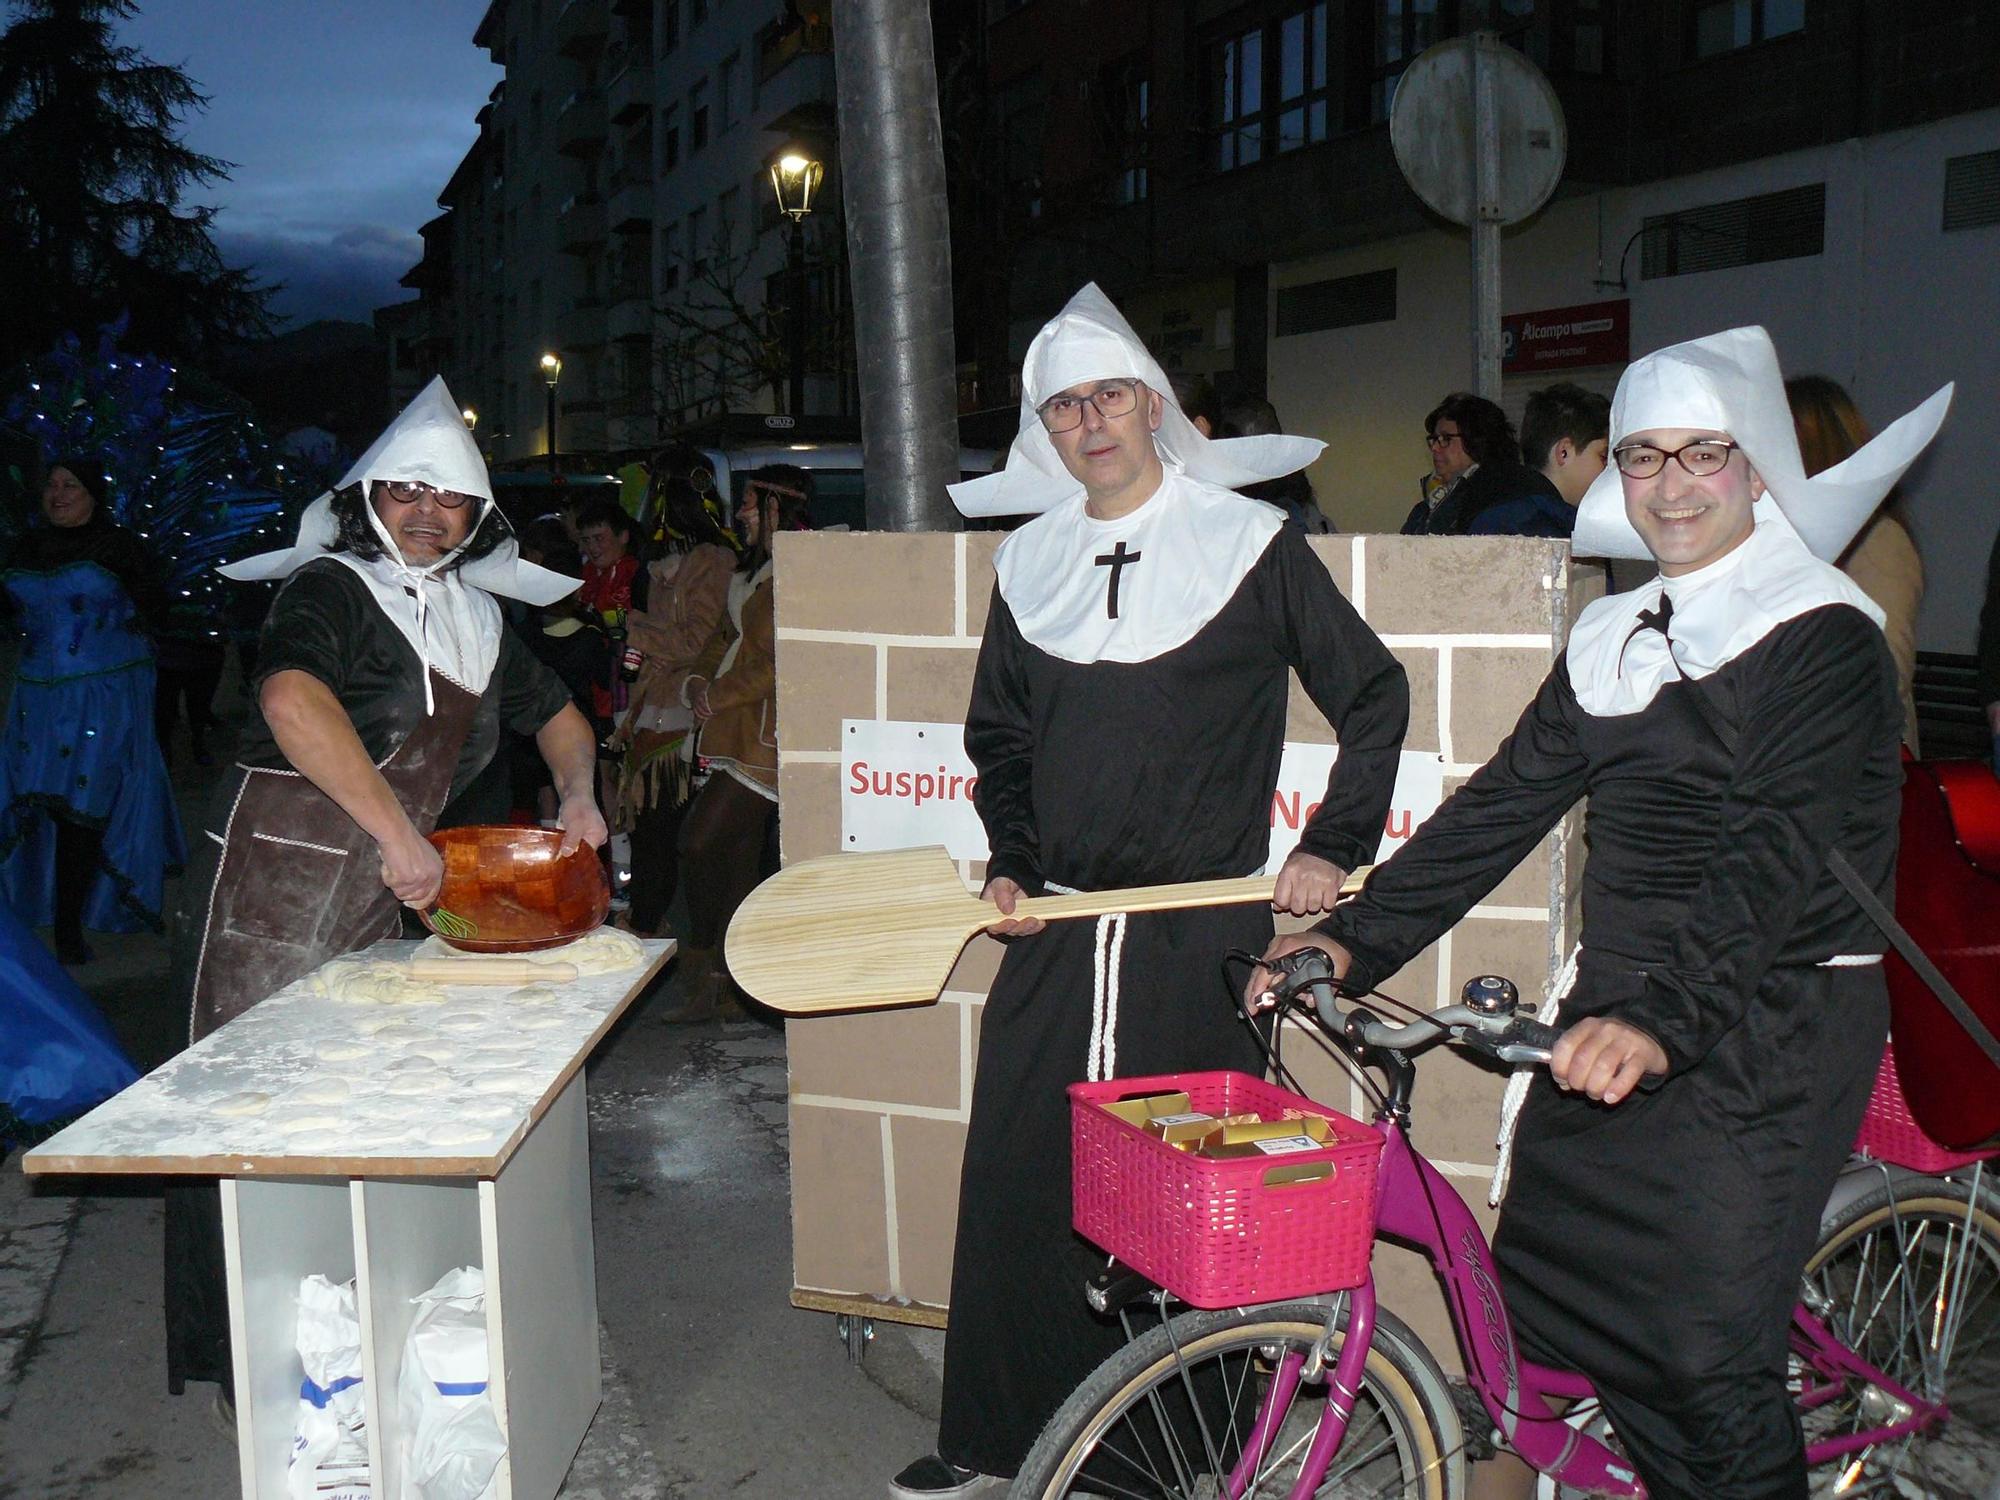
(344, 119)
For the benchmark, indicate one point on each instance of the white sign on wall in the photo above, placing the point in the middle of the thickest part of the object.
(904, 785)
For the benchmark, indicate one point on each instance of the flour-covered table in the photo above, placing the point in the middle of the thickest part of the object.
(390, 1143)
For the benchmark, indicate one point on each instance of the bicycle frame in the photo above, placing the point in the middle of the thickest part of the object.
(1416, 1205)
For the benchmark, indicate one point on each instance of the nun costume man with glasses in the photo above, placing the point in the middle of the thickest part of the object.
(1127, 717)
(1733, 723)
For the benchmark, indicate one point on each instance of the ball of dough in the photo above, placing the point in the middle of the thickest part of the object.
(362, 981)
(459, 1132)
(533, 994)
(321, 1091)
(459, 1022)
(249, 1102)
(343, 1049)
(300, 1123)
(605, 951)
(417, 1085)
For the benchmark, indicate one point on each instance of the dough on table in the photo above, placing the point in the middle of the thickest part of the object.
(540, 1020)
(462, 1021)
(533, 994)
(372, 1133)
(318, 1142)
(605, 951)
(301, 1123)
(436, 1049)
(414, 1062)
(321, 1090)
(491, 1057)
(417, 1085)
(493, 1110)
(511, 1082)
(369, 981)
(402, 1034)
(249, 1102)
(343, 1049)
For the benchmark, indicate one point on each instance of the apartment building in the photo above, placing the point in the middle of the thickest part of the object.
(616, 210)
(1830, 168)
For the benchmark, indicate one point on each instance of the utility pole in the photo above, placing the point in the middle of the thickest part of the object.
(899, 261)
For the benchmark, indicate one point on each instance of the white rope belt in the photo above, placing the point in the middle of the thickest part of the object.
(1517, 1086)
(1107, 958)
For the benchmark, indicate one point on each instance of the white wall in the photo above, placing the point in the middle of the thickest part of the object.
(1893, 308)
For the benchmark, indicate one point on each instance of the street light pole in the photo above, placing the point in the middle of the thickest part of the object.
(795, 320)
(551, 373)
(795, 177)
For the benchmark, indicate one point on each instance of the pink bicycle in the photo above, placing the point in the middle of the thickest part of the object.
(1324, 1394)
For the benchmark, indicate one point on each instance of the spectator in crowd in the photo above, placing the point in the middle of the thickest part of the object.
(87, 822)
(1291, 493)
(1475, 463)
(678, 636)
(729, 823)
(1563, 433)
(189, 661)
(571, 641)
(1198, 402)
(613, 585)
(1883, 559)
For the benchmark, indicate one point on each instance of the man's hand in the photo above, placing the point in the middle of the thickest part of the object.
(1003, 893)
(1255, 993)
(411, 867)
(1307, 885)
(1605, 1059)
(581, 823)
(697, 698)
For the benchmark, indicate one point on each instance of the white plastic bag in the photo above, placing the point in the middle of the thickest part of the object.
(452, 1444)
(330, 1443)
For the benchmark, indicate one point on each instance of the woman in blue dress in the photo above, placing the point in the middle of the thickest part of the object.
(88, 829)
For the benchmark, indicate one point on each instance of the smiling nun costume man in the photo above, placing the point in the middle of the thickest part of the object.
(414, 656)
(1732, 723)
(1127, 716)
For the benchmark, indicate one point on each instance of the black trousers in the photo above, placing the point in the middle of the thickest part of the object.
(79, 852)
(722, 848)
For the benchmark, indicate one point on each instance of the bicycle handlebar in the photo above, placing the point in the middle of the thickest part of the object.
(1485, 1021)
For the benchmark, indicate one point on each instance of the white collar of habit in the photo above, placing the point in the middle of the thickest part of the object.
(1135, 588)
(1619, 659)
(451, 627)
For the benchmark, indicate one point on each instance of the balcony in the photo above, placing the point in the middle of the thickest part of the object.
(630, 92)
(580, 326)
(778, 46)
(798, 96)
(581, 27)
(629, 319)
(580, 123)
(631, 203)
(580, 224)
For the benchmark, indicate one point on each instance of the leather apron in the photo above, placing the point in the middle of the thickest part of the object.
(297, 881)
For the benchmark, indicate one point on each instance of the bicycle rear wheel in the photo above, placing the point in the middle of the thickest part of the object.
(1170, 1411)
(1909, 1278)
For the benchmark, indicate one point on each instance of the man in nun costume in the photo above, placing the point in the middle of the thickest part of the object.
(1127, 717)
(383, 678)
(1733, 722)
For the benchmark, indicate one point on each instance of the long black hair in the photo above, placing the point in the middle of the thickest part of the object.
(353, 533)
(686, 513)
(787, 506)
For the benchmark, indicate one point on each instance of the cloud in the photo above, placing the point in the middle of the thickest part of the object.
(343, 271)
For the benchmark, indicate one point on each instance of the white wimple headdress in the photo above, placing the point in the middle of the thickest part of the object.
(428, 444)
(1090, 340)
(1730, 382)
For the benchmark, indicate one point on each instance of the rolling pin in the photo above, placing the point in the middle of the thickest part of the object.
(489, 970)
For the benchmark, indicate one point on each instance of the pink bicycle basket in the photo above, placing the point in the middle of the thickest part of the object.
(1890, 1133)
(1218, 1233)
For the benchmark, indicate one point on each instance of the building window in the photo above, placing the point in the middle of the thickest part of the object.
(1741, 232)
(670, 257)
(726, 215)
(728, 97)
(1125, 96)
(670, 25)
(1724, 25)
(1302, 48)
(697, 239)
(698, 117)
(697, 13)
(1586, 37)
(1343, 302)
(1403, 28)
(670, 138)
(1236, 82)
(1972, 190)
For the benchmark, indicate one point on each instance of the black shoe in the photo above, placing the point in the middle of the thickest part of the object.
(931, 1478)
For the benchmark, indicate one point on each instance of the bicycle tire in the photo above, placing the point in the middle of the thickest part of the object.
(1909, 1278)
(1112, 1436)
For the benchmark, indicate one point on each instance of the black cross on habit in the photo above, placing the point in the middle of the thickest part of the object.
(1116, 560)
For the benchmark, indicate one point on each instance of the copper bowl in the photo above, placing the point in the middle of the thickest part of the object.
(516, 890)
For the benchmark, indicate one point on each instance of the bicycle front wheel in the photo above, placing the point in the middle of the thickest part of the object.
(1167, 1417)
(1909, 1278)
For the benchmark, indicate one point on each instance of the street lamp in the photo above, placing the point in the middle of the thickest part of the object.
(795, 177)
(471, 419)
(551, 373)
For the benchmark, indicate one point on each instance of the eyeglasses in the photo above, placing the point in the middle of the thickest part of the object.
(410, 491)
(1112, 399)
(1702, 457)
(1441, 438)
